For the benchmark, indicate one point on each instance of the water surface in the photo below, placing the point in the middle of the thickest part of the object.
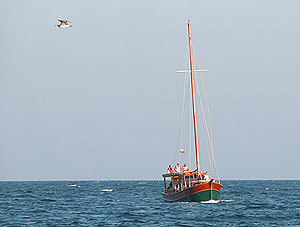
(139, 203)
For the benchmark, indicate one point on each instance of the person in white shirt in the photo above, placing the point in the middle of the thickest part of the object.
(185, 168)
(177, 168)
(206, 176)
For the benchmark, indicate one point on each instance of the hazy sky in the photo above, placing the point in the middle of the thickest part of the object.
(102, 100)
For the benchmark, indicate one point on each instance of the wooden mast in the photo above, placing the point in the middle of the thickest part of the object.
(194, 98)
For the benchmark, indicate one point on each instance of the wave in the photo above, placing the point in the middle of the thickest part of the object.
(107, 190)
(75, 185)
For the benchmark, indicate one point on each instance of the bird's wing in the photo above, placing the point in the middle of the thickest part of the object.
(63, 21)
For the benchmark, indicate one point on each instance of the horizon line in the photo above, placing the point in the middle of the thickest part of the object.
(14, 180)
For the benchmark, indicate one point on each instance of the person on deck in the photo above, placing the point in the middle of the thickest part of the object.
(177, 168)
(205, 176)
(170, 170)
(185, 168)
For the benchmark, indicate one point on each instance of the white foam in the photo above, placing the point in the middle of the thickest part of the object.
(75, 185)
(107, 190)
(211, 201)
(226, 200)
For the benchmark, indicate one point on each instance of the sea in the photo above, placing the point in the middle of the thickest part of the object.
(140, 203)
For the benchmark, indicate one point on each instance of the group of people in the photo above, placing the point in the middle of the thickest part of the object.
(178, 168)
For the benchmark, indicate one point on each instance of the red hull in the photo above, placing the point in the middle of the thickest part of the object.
(211, 190)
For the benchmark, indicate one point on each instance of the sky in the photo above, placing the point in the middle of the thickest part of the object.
(102, 99)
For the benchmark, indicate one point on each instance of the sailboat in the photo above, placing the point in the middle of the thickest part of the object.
(192, 186)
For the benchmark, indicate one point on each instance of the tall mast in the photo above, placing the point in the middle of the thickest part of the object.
(194, 98)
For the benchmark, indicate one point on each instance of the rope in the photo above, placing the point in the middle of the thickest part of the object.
(184, 102)
(191, 134)
(205, 123)
(211, 141)
(208, 124)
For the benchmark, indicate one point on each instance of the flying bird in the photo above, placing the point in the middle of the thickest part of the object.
(64, 24)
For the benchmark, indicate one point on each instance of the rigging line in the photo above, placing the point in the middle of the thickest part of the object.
(206, 125)
(206, 99)
(182, 114)
(212, 158)
(183, 105)
(188, 111)
(210, 120)
(208, 110)
(186, 105)
(185, 88)
(202, 58)
(191, 133)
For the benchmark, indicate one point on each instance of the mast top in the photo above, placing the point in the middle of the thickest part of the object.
(189, 29)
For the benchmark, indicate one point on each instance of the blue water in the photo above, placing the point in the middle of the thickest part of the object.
(139, 203)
